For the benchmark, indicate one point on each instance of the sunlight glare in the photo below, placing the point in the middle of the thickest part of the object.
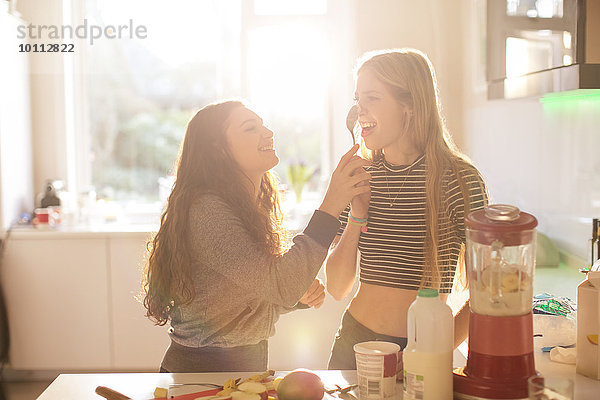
(177, 30)
(288, 69)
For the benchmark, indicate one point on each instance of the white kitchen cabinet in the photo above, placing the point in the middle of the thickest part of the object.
(137, 343)
(71, 300)
(57, 300)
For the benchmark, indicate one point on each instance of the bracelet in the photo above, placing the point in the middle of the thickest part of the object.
(363, 225)
(362, 222)
(356, 219)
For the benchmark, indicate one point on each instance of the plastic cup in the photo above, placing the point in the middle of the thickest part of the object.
(550, 388)
(42, 215)
(376, 367)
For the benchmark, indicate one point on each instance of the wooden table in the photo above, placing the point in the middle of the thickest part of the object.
(141, 385)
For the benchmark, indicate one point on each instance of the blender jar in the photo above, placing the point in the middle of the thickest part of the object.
(500, 256)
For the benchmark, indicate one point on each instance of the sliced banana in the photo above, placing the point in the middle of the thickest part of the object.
(510, 282)
(252, 387)
(238, 395)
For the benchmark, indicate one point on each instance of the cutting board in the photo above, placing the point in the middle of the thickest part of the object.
(193, 396)
(212, 392)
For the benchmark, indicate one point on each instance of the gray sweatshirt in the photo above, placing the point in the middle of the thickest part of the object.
(240, 289)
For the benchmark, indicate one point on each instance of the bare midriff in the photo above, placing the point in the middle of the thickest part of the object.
(383, 309)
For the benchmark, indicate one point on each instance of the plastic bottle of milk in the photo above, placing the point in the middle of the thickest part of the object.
(427, 357)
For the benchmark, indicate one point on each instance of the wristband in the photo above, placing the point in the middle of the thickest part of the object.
(362, 222)
(356, 219)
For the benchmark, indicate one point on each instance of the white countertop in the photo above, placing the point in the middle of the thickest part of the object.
(142, 385)
(585, 388)
(29, 232)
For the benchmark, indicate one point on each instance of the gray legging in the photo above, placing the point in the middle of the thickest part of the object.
(350, 333)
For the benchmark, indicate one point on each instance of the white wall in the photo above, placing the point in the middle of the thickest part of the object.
(541, 158)
(16, 186)
(47, 97)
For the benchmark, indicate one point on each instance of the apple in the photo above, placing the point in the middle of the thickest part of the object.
(300, 384)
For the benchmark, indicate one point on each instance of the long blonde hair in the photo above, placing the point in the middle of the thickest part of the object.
(410, 77)
(205, 165)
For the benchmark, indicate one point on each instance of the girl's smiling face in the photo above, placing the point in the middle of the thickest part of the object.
(250, 142)
(382, 117)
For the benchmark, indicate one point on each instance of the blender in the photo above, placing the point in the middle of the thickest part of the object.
(500, 258)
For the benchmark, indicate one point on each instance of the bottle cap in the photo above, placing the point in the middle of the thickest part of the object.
(427, 293)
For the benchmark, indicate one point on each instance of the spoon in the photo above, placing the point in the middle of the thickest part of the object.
(351, 120)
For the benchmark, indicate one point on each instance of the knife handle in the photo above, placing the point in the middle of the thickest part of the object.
(110, 394)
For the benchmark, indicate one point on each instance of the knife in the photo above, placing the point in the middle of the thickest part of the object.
(111, 394)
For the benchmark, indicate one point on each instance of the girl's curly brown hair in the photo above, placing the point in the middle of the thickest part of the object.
(205, 165)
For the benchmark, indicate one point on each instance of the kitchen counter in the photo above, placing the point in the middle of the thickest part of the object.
(107, 230)
(559, 281)
(142, 385)
(585, 388)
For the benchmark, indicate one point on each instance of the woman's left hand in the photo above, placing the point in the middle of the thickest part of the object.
(315, 295)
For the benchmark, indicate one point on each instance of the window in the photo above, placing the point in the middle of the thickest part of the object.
(140, 93)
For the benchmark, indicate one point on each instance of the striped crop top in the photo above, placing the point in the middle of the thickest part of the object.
(392, 249)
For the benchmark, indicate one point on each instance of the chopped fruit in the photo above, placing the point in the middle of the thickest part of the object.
(276, 382)
(226, 392)
(510, 282)
(254, 387)
(301, 385)
(593, 339)
(239, 395)
(213, 398)
(160, 393)
(229, 383)
(260, 377)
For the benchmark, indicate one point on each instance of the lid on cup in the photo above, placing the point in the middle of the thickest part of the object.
(502, 222)
(376, 347)
(427, 293)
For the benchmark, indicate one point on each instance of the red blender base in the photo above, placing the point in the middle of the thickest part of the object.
(500, 358)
